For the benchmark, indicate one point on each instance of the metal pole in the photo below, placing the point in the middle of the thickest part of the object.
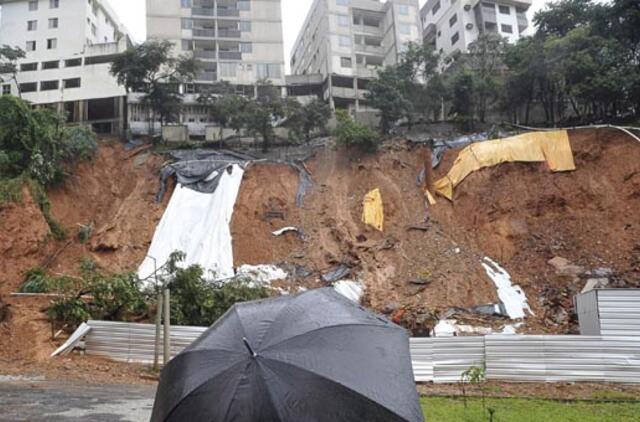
(167, 327)
(156, 350)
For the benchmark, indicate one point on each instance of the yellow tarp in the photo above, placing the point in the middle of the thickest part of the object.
(552, 147)
(373, 211)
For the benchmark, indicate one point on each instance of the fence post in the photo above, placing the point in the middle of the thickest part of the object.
(167, 326)
(156, 349)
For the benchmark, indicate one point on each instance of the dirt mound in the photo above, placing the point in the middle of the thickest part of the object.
(113, 194)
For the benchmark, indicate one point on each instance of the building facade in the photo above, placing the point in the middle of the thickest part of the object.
(69, 46)
(451, 25)
(237, 41)
(346, 41)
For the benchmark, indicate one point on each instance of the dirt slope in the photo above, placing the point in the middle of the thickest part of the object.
(114, 194)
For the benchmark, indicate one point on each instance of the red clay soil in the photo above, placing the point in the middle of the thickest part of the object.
(114, 194)
(521, 215)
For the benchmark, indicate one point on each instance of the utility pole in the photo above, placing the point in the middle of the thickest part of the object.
(167, 326)
(156, 350)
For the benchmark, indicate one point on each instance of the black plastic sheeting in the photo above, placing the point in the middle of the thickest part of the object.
(193, 169)
(312, 357)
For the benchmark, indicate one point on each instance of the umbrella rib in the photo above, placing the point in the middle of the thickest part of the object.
(326, 328)
(332, 381)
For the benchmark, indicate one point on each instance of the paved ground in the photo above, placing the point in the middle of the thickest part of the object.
(35, 401)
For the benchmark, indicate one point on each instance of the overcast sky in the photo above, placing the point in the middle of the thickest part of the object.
(294, 12)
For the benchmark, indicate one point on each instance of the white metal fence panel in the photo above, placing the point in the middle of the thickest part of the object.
(563, 358)
(422, 359)
(454, 355)
(126, 342)
(619, 311)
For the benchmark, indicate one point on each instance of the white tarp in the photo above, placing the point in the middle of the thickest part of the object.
(198, 225)
(352, 290)
(513, 297)
(261, 275)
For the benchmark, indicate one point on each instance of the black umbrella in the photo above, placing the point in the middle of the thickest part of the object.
(312, 357)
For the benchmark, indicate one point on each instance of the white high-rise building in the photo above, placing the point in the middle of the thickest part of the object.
(69, 46)
(347, 41)
(451, 25)
(238, 41)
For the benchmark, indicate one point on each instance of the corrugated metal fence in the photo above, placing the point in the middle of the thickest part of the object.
(438, 359)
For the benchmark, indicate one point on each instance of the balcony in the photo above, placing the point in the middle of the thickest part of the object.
(366, 29)
(207, 76)
(230, 55)
(201, 32)
(369, 49)
(203, 11)
(228, 12)
(205, 54)
(229, 33)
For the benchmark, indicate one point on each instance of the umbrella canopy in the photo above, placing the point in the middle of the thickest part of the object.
(312, 357)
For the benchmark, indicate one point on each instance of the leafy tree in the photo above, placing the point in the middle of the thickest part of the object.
(352, 134)
(560, 17)
(304, 119)
(262, 114)
(463, 98)
(387, 93)
(225, 107)
(151, 68)
(9, 57)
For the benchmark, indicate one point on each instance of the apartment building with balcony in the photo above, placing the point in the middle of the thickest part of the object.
(451, 25)
(69, 46)
(238, 41)
(347, 41)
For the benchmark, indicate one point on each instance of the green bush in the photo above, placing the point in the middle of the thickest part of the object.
(115, 297)
(80, 143)
(36, 281)
(69, 310)
(11, 190)
(352, 134)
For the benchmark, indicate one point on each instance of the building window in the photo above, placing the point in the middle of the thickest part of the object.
(73, 63)
(28, 67)
(455, 38)
(342, 2)
(32, 25)
(187, 45)
(453, 20)
(228, 70)
(489, 6)
(52, 43)
(435, 9)
(94, 30)
(53, 23)
(345, 62)
(187, 23)
(490, 27)
(246, 47)
(29, 87)
(343, 20)
(186, 4)
(403, 9)
(71, 83)
(6, 89)
(33, 5)
(505, 10)
(266, 71)
(31, 46)
(244, 5)
(49, 85)
(405, 28)
(54, 4)
(245, 26)
(51, 65)
(344, 41)
(508, 29)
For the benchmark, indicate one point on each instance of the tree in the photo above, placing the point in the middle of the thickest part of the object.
(225, 107)
(262, 114)
(352, 134)
(151, 68)
(9, 57)
(560, 17)
(304, 119)
(387, 93)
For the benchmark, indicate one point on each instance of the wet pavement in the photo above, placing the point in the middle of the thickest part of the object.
(37, 400)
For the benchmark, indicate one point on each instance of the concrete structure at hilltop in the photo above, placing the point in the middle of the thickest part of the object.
(346, 41)
(69, 46)
(451, 25)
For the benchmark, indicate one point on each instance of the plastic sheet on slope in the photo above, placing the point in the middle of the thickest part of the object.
(513, 297)
(373, 211)
(198, 225)
(352, 290)
(261, 275)
(552, 147)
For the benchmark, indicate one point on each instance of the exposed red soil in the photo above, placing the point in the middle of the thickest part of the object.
(114, 194)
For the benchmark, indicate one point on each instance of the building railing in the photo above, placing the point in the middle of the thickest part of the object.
(203, 11)
(230, 55)
(228, 12)
(207, 76)
(205, 54)
(199, 32)
(229, 33)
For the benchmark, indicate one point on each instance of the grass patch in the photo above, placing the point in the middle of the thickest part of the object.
(445, 409)
(11, 190)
